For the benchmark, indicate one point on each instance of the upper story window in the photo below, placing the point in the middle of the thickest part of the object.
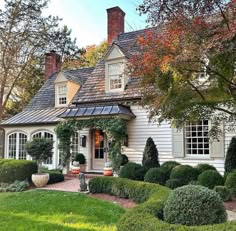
(116, 73)
(196, 138)
(62, 94)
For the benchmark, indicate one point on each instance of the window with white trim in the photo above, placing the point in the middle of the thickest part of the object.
(47, 135)
(196, 138)
(62, 94)
(116, 75)
(16, 146)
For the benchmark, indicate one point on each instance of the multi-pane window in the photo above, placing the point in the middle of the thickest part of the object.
(99, 144)
(196, 138)
(16, 146)
(115, 72)
(62, 92)
(47, 135)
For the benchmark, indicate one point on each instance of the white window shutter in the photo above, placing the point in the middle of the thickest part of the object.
(217, 147)
(177, 143)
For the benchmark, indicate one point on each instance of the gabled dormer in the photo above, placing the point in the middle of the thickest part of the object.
(115, 65)
(65, 89)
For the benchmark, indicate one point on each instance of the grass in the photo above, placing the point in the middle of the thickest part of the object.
(53, 210)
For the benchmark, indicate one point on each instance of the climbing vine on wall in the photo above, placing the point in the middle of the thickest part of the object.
(115, 129)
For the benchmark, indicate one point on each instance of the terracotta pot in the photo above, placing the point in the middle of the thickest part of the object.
(75, 170)
(107, 172)
(40, 179)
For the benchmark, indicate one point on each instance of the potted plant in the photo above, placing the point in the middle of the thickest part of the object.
(40, 149)
(79, 157)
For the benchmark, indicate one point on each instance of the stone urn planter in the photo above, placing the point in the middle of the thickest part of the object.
(40, 179)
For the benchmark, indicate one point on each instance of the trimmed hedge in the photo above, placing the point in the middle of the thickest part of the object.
(204, 167)
(174, 183)
(210, 179)
(169, 165)
(184, 173)
(187, 206)
(12, 170)
(156, 175)
(148, 215)
(132, 171)
(54, 176)
(224, 192)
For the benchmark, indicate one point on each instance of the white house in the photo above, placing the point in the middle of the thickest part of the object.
(106, 90)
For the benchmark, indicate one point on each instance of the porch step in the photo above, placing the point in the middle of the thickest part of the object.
(87, 175)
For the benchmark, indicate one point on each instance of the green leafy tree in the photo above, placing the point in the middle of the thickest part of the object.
(230, 159)
(150, 155)
(187, 66)
(25, 36)
(40, 149)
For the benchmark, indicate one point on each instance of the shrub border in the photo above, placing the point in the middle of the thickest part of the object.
(144, 216)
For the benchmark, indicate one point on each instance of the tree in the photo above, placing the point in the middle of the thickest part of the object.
(25, 35)
(230, 159)
(150, 155)
(40, 149)
(89, 56)
(187, 63)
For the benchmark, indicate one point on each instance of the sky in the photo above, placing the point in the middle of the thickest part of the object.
(88, 18)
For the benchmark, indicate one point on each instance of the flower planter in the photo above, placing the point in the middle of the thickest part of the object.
(40, 179)
(107, 171)
(75, 170)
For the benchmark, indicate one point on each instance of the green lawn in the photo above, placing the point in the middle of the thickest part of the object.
(52, 210)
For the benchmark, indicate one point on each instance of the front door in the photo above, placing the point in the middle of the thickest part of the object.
(99, 153)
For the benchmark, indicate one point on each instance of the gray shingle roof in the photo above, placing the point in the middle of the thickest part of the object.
(45, 98)
(42, 109)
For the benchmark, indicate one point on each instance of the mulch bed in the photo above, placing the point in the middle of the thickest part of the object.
(125, 203)
(231, 205)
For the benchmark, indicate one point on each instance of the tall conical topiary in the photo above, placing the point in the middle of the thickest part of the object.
(150, 155)
(230, 159)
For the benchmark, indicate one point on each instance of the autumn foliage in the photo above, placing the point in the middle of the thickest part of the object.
(187, 62)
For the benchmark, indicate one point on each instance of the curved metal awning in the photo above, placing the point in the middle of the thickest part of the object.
(97, 111)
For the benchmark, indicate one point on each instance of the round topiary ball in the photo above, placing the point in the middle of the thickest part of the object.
(194, 205)
(169, 165)
(132, 171)
(173, 183)
(204, 167)
(156, 175)
(210, 179)
(184, 173)
(224, 192)
(230, 182)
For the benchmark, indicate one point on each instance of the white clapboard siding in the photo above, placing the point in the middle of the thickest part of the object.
(139, 129)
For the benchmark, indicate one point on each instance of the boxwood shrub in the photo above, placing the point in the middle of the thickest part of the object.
(204, 167)
(174, 183)
(230, 182)
(133, 171)
(210, 179)
(187, 205)
(149, 214)
(224, 192)
(54, 176)
(169, 165)
(156, 175)
(12, 170)
(184, 173)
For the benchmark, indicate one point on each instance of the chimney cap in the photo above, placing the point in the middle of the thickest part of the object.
(116, 8)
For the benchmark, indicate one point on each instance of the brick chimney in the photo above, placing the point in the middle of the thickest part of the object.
(115, 23)
(52, 63)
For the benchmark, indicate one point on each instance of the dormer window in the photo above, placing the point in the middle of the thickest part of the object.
(116, 73)
(62, 94)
